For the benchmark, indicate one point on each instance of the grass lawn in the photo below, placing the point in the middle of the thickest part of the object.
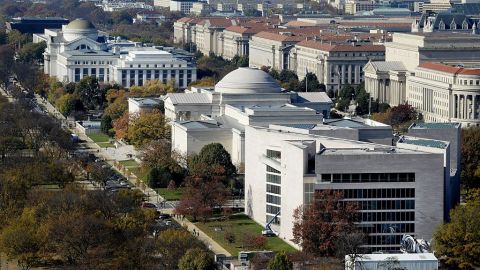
(240, 225)
(170, 195)
(129, 163)
(99, 137)
(104, 144)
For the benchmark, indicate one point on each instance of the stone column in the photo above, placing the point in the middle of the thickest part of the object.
(349, 74)
(342, 74)
(136, 77)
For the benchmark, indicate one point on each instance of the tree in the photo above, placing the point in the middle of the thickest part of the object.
(89, 92)
(158, 154)
(318, 225)
(6, 63)
(32, 52)
(214, 154)
(459, 240)
(310, 84)
(153, 88)
(470, 159)
(120, 126)
(280, 262)
(66, 104)
(229, 237)
(22, 241)
(253, 241)
(158, 178)
(203, 192)
(197, 259)
(173, 245)
(147, 127)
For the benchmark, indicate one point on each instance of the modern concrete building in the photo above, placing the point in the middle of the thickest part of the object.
(183, 6)
(79, 50)
(399, 190)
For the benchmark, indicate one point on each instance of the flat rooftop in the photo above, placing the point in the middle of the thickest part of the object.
(434, 125)
(423, 142)
(399, 256)
(377, 150)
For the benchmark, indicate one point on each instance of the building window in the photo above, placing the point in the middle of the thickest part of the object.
(274, 154)
(157, 74)
(140, 77)
(85, 72)
(149, 74)
(77, 75)
(273, 178)
(93, 72)
(132, 77)
(273, 189)
(274, 199)
(101, 74)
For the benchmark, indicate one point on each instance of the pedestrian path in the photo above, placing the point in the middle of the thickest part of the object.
(211, 244)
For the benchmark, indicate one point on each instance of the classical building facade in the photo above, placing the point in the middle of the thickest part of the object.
(386, 81)
(78, 50)
(445, 93)
(272, 49)
(434, 72)
(334, 65)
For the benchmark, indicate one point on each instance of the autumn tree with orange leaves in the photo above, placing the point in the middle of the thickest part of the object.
(318, 226)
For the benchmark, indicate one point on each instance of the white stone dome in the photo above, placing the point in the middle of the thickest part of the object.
(79, 28)
(247, 81)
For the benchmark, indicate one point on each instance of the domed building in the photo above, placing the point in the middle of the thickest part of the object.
(79, 50)
(244, 97)
(248, 81)
(79, 28)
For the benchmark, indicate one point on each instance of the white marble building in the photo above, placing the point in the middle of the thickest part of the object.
(79, 50)
(244, 97)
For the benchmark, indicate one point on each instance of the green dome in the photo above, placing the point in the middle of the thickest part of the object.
(80, 24)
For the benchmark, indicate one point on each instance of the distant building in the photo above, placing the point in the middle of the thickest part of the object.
(35, 25)
(79, 50)
(139, 105)
(406, 261)
(446, 22)
(357, 6)
(149, 16)
(334, 65)
(183, 6)
(424, 69)
(110, 6)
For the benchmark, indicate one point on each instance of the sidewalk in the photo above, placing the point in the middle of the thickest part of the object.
(209, 242)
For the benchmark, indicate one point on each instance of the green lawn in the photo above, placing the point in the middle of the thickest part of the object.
(240, 225)
(99, 137)
(170, 195)
(104, 144)
(129, 163)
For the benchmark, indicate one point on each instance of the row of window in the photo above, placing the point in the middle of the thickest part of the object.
(367, 177)
(273, 178)
(156, 65)
(103, 74)
(388, 228)
(93, 62)
(387, 216)
(274, 199)
(387, 205)
(378, 193)
(273, 189)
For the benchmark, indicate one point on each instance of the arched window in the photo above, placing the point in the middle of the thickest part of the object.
(465, 25)
(453, 25)
(83, 47)
(441, 25)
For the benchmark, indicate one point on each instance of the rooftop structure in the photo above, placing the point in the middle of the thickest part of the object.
(33, 25)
